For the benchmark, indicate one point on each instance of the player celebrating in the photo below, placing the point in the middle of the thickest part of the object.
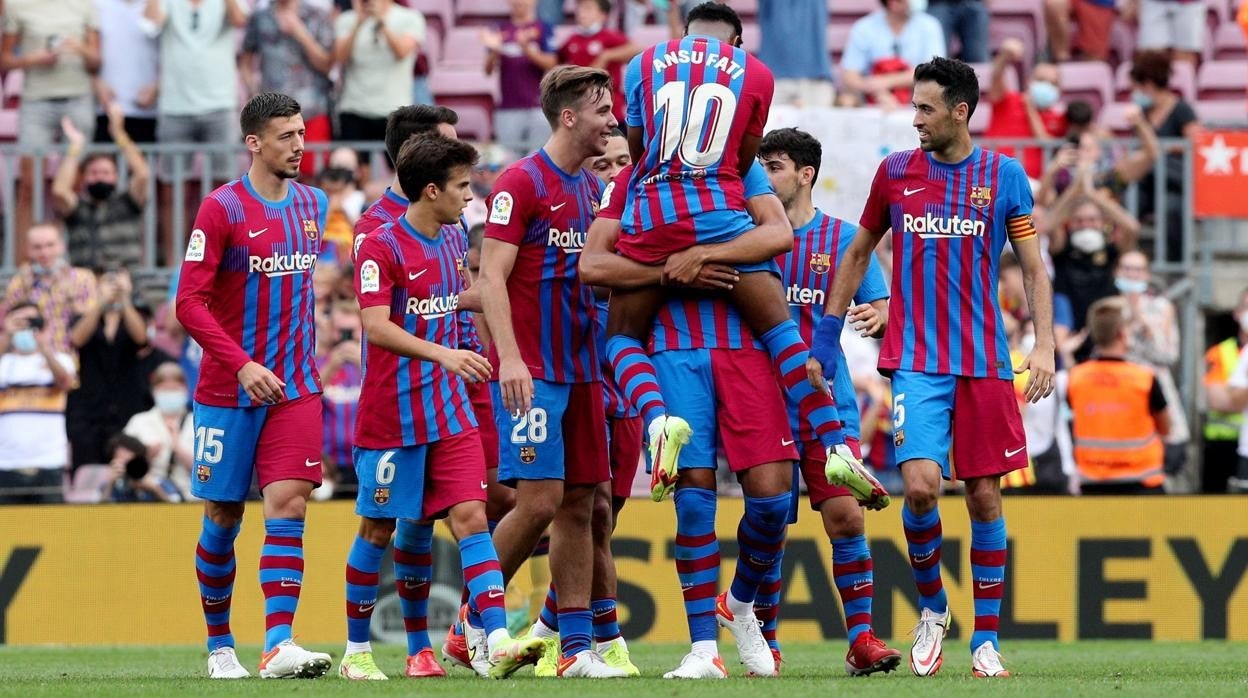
(792, 160)
(417, 452)
(547, 389)
(246, 297)
(951, 206)
(696, 111)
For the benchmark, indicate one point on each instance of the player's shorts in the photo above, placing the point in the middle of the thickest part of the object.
(732, 400)
(420, 482)
(814, 458)
(563, 436)
(483, 408)
(985, 431)
(276, 442)
(625, 443)
(654, 246)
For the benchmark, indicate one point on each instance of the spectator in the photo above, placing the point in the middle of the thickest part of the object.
(104, 224)
(1089, 150)
(490, 163)
(1095, 19)
(550, 12)
(56, 45)
(341, 374)
(1223, 423)
(108, 337)
(130, 478)
(968, 21)
(882, 51)
(795, 47)
(1173, 27)
(1033, 114)
(1118, 412)
(167, 430)
(34, 379)
(677, 10)
(521, 50)
(1170, 117)
(596, 46)
(376, 43)
(1235, 397)
(129, 70)
(61, 292)
(289, 48)
(345, 204)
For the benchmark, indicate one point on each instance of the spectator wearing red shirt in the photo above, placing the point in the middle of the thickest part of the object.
(595, 46)
(1033, 114)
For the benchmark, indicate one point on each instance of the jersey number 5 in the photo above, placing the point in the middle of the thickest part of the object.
(695, 122)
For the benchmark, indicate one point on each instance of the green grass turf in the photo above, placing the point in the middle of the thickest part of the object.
(1176, 670)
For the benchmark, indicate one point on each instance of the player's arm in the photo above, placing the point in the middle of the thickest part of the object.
(515, 382)
(850, 272)
(869, 315)
(1042, 360)
(633, 113)
(384, 334)
(599, 265)
(771, 238)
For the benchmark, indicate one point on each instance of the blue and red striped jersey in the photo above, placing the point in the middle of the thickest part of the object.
(696, 99)
(546, 212)
(404, 401)
(949, 223)
(807, 273)
(245, 290)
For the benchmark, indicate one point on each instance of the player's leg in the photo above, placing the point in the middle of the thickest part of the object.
(363, 579)
(413, 578)
(767, 607)
(608, 641)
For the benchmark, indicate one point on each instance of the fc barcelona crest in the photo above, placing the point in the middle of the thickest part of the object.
(899, 438)
(381, 495)
(528, 454)
(981, 197)
(203, 473)
(309, 229)
(820, 262)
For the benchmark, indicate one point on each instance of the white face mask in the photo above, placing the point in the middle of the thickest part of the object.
(171, 402)
(1088, 240)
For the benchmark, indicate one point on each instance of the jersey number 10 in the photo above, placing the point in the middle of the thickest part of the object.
(695, 122)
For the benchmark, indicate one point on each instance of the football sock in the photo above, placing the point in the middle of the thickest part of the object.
(215, 568)
(281, 577)
(855, 581)
(988, 552)
(413, 576)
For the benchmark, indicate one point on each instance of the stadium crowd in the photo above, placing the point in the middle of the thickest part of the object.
(95, 378)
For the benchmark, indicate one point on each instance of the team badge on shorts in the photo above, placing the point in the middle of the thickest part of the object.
(528, 454)
(899, 438)
(981, 197)
(820, 262)
(381, 495)
(203, 473)
(309, 229)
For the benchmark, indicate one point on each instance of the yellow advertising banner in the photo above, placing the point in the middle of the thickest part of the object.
(1166, 568)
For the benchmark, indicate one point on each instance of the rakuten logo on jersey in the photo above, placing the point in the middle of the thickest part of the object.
(929, 226)
(570, 241)
(799, 295)
(433, 307)
(281, 264)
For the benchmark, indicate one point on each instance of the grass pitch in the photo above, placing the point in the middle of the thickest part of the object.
(816, 670)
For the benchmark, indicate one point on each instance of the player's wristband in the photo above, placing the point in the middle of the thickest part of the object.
(826, 347)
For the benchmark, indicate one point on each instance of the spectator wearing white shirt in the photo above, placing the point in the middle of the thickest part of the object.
(129, 70)
(167, 430)
(882, 51)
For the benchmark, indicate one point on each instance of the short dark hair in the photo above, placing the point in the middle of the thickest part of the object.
(264, 106)
(802, 148)
(1106, 320)
(476, 236)
(1079, 113)
(1152, 66)
(405, 122)
(604, 5)
(428, 158)
(567, 86)
(714, 12)
(92, 157)
(957, 79)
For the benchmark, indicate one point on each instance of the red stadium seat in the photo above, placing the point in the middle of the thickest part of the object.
(648, 35)
(1121, 42)
(1223, 112)
(462, 82)
(8, 125)
(1019, 13)
(983, 71)
(751, 37)
(747, 10)
(1223, 80)
(475, 122)
(1113, 117)
(1182, 80)
(432, 47)
(1087, 80)
(1013, 27)
(1228, 42)
(981, 117)
(462, 49)
(851, 9)
(478, 12)
(13, 81)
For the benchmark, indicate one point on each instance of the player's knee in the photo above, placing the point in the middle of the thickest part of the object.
(467, 519)
(577, 507)
(538, 511)
(983, 498)
(921, 499)
(377, 531)
(769, 513)
(501, 499)
(224, 514)
(842, 518)
(602, 517)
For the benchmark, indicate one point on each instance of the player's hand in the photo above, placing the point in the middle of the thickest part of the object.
(260, 383)
(73, 136)
(516, 384)
(1042, 364)
(468, 365)
(826, 347)
(814, 374)
(683, 267)
(865, 319)
(716, 277)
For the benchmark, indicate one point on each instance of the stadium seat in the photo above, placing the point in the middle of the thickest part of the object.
(1113, 118)
(481, 12)
(439, 15)
(475, 122)
(983, 71)
(1087, 80)
(851, 10)
(1228, 42)
(87, 484)
(1121, 42)
(747, 10)
(648, 35)
(1182, 80)
(462, 49)
(1222, 112)
(1223, 80)
(1013, 27)
(460, 82)
(979, 120)
(432, 47)
(8, 124)
(1029, 13)
(13, 81)
(838, 36)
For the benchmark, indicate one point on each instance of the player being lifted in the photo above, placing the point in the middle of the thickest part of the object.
(696, 111)
(246, 297)
(951, 206)
(417, 452)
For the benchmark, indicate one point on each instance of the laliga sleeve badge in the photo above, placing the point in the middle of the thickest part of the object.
(528, 454)
(500, 209)
(355, 246)
(370, 277)
(606, 196)
(196, 245)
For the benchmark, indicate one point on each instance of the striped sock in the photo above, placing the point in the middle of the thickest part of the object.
(855, 580)
(363, 566)
(697, 560)
(281, 577)
(606, 622)
(635, 374)
(413, 575)
(789, 354)
(923, 536)
(484, 580)
(767, 602)
(576, 629)
(214, 566)
(550, 610)
(760, 538)
(988, 551)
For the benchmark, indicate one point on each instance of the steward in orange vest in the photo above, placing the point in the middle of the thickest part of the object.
(1119, 412)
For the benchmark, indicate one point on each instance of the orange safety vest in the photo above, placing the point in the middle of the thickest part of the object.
(1115, 438)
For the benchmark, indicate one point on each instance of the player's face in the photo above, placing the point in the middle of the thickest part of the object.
(280, 145)
(594, 124)
(936, 123)
(785, 178)
(450, 202)
(609, 164)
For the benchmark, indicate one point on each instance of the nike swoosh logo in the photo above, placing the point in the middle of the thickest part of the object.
(989, 586)
(417, 275)
(786, 442)
(908, 191)
(366, 608)
(495, 594)
(291, 584)
(861, 585)
(413, 585)
(218, 602)
(556, 207)
(311, 463)
(484, 486)
(256, 233)
(1011, 454)
(925, 556)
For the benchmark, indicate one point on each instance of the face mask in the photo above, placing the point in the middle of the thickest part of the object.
(1126, 285)
(171, 401)
(40, 270)
(24, 342)
(1043, 94)
(1088, 240)
(1141, 100)
(101, 190)
(590, 30)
